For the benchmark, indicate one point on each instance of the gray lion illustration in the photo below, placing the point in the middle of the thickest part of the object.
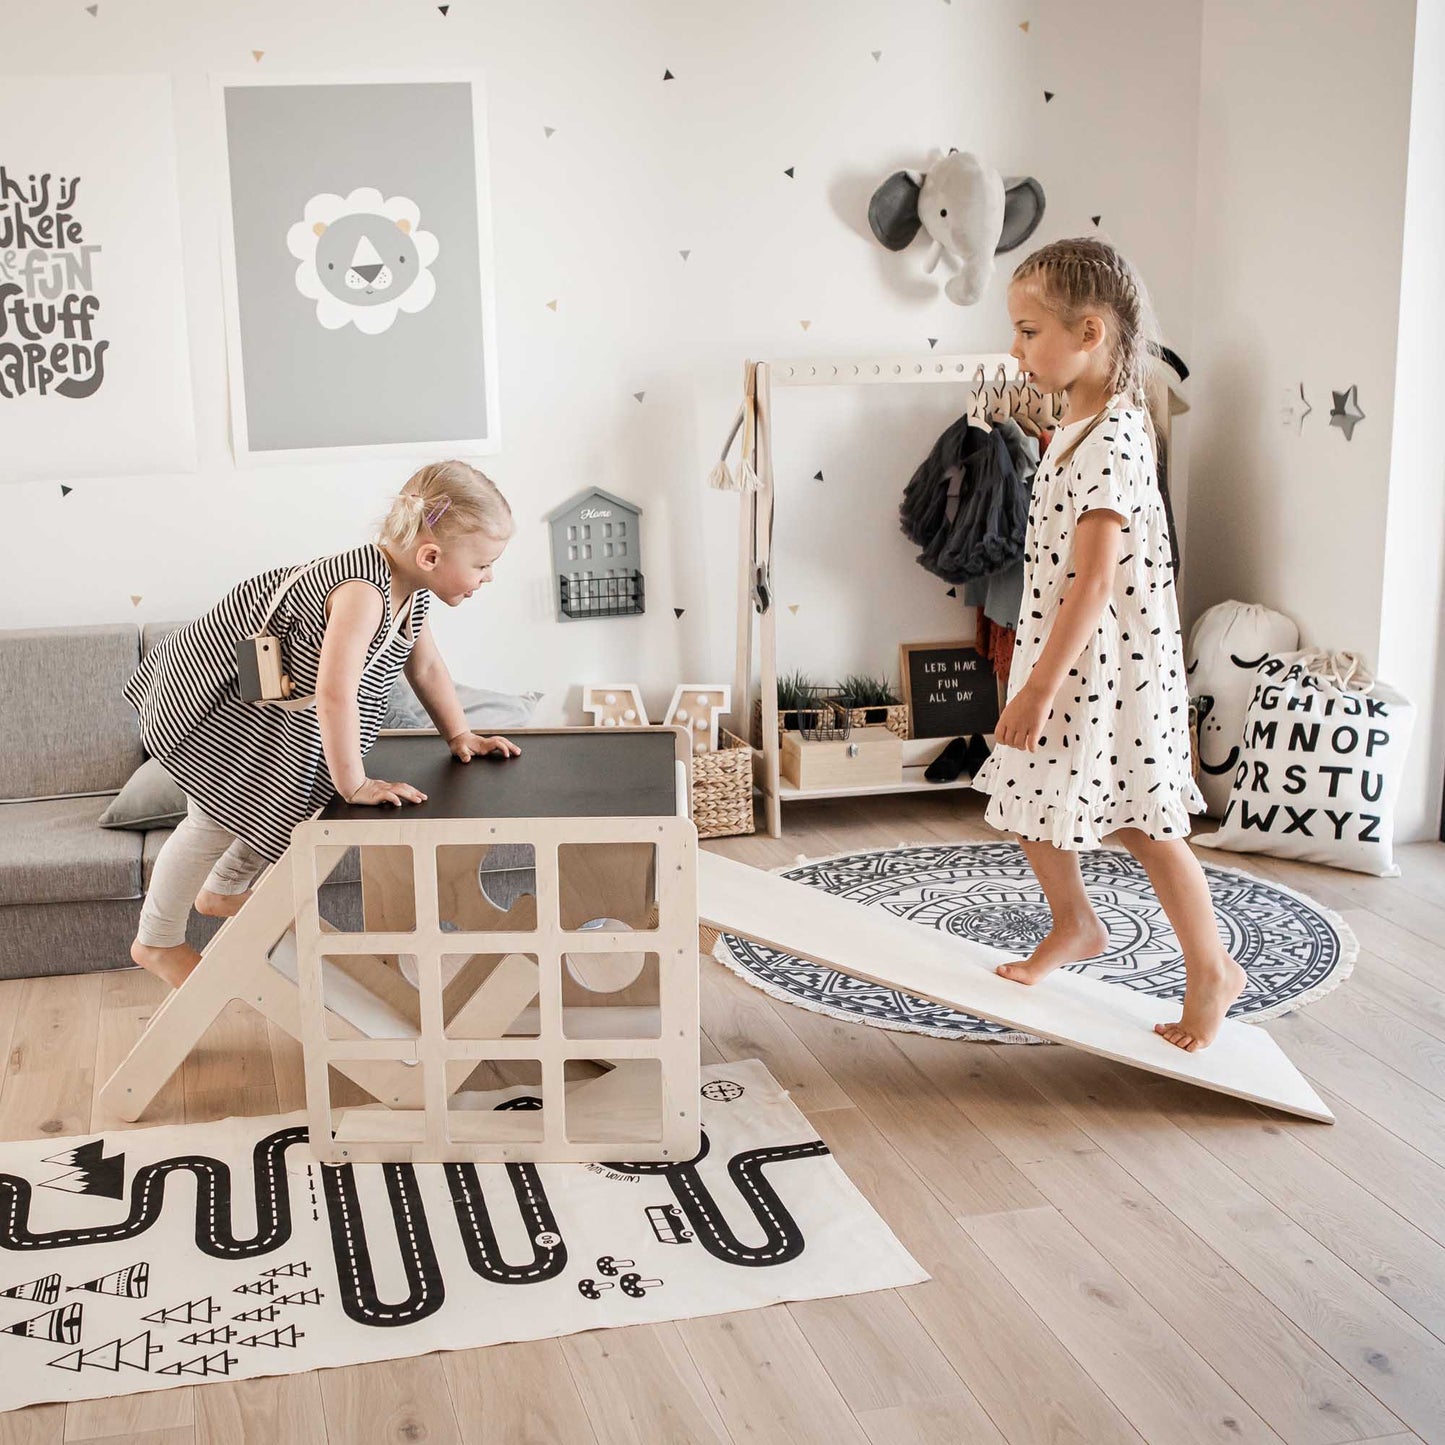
(363, 259)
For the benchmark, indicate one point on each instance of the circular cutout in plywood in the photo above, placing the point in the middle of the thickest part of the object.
(605, 972)
(506, 873)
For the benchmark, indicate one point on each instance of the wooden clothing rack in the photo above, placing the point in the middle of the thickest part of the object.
(756, 584)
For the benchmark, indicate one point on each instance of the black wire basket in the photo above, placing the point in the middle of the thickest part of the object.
(824, 715)
(619, 595)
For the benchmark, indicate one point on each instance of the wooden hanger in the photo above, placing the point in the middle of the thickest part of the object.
(978, 409)
(1042, 403)
(1026, 398)
(1041, 408)
(1000, 396)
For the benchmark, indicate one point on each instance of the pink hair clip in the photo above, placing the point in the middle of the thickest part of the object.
(432, 518)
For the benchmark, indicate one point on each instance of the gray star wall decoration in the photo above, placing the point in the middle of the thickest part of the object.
(1345, 413)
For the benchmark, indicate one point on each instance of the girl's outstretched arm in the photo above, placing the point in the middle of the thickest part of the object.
(354, 612)
(1095, 561)
(431, 680)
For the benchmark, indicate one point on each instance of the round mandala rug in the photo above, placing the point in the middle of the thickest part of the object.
(1292, 949)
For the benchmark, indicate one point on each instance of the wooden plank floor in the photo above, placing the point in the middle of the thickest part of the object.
(1115, 1257)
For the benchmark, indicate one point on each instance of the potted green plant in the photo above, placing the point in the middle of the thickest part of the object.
(796, 691)
(873, 694)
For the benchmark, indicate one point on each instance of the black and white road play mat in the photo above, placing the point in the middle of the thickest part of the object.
(1292, 949)
(147, 1258)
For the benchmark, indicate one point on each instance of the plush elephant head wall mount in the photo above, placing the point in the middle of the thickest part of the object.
(968, 209)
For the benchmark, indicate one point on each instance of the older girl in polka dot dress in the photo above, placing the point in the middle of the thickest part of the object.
(1094, 741)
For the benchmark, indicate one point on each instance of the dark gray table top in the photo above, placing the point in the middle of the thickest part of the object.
(616, 773)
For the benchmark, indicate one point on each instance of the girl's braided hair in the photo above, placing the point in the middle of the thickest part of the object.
(1083, 276)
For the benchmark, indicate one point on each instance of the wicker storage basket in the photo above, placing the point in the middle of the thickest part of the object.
(1194, 739)
(896, 722)
(722, 788)
(785, 716)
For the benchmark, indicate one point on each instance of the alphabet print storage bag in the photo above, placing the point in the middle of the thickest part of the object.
(1319, 765)
(1226, 646)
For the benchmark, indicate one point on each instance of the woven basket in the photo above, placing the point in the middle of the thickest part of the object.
(722, 788)
(783, 714)
(1194, 740)
(896, 720)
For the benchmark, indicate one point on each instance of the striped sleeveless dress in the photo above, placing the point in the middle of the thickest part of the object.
(259, 770)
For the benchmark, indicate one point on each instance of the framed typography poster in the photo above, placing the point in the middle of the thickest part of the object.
(94, 368)
(356, 246)
(950, 689)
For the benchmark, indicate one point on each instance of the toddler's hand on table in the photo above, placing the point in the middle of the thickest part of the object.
(376, 793)
(466, 746)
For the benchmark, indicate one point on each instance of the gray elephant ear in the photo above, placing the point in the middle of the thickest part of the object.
(1023, 209)
(893, 211)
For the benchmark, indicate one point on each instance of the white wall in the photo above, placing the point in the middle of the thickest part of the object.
(594, 218)
(1412, 603)
(1304, 133)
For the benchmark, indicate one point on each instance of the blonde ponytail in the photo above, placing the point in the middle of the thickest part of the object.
(443, 501)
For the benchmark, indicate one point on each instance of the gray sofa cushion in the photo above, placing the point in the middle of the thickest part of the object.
(151, 799)
(64, 726)
(41, 939)
(486, 711)
(56, 852)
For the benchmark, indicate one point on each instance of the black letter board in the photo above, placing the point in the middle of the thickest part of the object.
(949, 688)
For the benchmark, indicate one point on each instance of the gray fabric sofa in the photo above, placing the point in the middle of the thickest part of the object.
(70, 891)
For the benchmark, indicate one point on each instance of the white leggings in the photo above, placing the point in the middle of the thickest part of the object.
(199, 854)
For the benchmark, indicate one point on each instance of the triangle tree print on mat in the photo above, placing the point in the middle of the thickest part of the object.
(45, 1290)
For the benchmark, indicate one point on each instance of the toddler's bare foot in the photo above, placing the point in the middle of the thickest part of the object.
(174, 965)
(1070, 942)
(220, 905)
(1208, 992)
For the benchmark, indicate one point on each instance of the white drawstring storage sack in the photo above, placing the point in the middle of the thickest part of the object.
(1320, 760)
(1226, 646)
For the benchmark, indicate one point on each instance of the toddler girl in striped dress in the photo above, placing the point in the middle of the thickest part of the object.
(347, 625)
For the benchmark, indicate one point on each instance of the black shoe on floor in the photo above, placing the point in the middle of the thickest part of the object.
(977, 756)
(946, 767)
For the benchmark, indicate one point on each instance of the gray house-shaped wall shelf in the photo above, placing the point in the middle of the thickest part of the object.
(597, 556)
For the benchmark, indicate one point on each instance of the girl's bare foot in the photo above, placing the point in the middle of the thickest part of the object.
(174, 965)
(1209, 990)
(1066, 942)
(220, 905)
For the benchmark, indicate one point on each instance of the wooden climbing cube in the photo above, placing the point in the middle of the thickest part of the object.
(526, 987)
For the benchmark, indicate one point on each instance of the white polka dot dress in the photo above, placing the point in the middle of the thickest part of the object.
(1115, 748)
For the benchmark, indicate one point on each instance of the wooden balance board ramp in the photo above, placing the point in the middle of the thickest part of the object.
(1067, 1008)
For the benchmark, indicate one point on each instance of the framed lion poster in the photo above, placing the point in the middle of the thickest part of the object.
(358, 267)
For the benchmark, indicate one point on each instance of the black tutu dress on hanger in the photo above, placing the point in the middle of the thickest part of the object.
(966, 506)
